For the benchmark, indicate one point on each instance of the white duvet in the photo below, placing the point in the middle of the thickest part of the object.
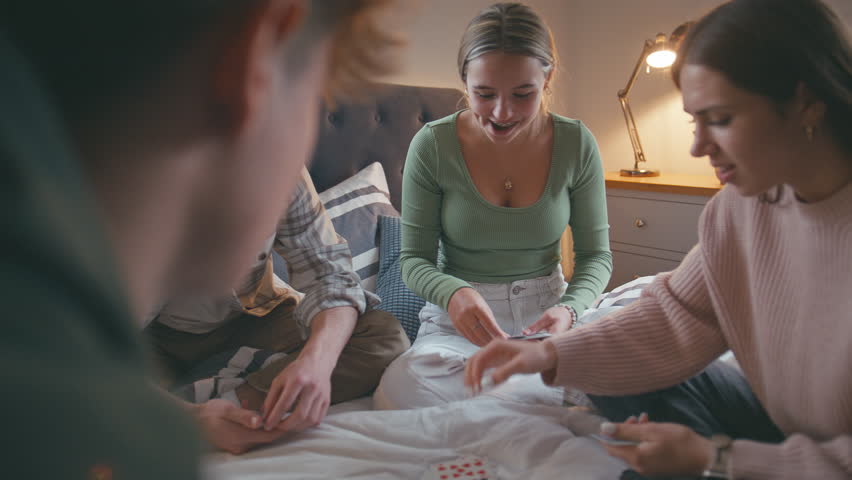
(523, 441)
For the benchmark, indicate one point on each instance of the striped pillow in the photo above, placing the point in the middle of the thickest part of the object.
(354, 206)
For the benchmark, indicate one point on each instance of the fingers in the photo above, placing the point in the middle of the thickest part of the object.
(486, 319)
(505, 357)
(254, 438)
(491, 355)
(643, 418)
(308, 412)
(242, 416)
(476, 333)
(628, 453)
(501, 374)
(283, 397)
(234, 437)
(542, 323)
(633, 431)
(481, 328)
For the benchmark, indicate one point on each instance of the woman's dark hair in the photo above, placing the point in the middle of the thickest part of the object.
(769, 47)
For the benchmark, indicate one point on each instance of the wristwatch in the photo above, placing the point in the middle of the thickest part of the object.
(719, 467)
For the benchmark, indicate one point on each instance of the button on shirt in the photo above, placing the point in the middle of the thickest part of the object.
(319, 265)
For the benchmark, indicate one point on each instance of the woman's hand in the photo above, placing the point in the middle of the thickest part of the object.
(473, 318)
(555, 320)
(664, 449)
(508, 357)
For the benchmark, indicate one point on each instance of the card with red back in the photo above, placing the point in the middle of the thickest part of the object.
(466, 467)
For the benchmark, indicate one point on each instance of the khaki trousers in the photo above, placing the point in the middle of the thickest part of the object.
(377, 339)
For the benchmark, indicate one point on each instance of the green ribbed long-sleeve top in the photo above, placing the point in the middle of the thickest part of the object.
(487, 243)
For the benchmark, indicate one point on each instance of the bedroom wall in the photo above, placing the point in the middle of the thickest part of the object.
(599, 42)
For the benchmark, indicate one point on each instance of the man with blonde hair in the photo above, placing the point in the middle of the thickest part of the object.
(145, 149)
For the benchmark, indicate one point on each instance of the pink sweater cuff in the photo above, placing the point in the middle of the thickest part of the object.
(755, 460)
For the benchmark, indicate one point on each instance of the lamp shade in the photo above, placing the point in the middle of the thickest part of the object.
(661, 59)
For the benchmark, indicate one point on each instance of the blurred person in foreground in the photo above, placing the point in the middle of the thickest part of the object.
(145, 148)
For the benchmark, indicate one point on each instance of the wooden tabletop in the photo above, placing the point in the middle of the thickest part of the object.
(683, 184)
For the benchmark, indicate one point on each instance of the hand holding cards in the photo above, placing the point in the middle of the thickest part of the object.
(613, 441)
(532, 336)
(608, 429)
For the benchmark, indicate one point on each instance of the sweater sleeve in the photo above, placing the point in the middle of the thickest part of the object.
(622, 353)
(589, 227)
(795, 458)
(421, 223)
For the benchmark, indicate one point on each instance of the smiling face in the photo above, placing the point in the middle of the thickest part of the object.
(753, 143)
(505, 93)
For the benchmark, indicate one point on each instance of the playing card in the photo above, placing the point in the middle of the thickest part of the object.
(612, 441)
(466, 467)
(532, 336)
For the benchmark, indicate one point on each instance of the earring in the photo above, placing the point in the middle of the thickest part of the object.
(809, 132)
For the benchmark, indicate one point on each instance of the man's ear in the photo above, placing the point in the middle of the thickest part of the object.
(251, 58)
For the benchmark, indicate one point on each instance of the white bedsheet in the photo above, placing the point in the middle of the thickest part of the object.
(524, 441)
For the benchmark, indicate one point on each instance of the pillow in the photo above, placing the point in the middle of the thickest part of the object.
(397, 298)
(354, 206)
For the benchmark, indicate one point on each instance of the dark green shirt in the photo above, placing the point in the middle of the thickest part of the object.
(487, 243)
(76, 399)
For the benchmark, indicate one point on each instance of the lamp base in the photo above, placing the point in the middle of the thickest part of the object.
(638, 172)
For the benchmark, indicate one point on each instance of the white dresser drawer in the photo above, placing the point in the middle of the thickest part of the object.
(629, 266)
(665, 225)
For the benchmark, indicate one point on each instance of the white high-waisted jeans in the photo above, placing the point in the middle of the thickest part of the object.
(431, 372)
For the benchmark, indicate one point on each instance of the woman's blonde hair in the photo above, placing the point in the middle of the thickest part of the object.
(511, 28)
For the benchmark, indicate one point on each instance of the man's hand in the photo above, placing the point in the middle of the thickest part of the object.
(473, 318)
(508, 357)
(664, 449)
(232, 428)
(555, 320)
(304, 390)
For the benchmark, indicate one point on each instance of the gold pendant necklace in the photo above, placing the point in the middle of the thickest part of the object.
(507, 184)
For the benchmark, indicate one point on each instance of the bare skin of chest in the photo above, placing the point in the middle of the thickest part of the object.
(512, 176)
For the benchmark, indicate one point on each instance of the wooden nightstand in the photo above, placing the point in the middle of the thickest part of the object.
(653, 221)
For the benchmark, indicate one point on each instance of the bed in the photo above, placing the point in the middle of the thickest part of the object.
(360, 156)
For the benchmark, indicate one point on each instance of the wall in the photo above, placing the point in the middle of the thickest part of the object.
(599, 42)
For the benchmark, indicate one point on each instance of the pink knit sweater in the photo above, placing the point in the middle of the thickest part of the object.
(772, 282)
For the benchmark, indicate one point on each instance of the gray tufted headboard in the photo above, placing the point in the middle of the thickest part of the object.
(379, 129)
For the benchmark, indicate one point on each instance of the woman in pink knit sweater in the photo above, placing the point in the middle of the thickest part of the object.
(769, 86)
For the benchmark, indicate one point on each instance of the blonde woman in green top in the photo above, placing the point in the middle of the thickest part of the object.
(496, 185)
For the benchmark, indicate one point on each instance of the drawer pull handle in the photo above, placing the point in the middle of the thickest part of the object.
(639, 223)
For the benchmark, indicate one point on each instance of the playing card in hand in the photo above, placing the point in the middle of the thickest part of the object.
(467, 467)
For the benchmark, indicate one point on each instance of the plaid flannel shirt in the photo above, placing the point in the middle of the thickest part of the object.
(319, 266)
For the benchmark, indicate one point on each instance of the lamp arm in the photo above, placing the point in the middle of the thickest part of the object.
(638, 153)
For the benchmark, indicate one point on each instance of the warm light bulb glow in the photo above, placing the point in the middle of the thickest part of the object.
(661, 58)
